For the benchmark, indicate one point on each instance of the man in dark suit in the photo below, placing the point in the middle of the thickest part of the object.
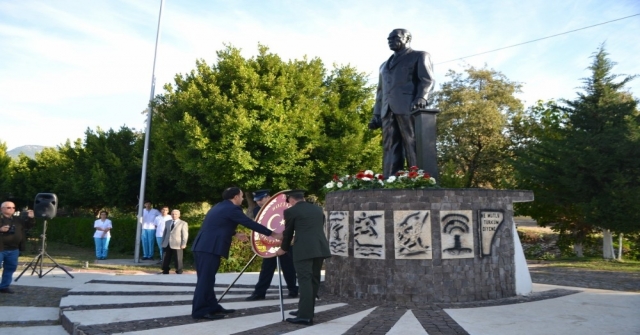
(269, 265)
(405, 81)
(306, 220)
(174, 240)
(212, 242)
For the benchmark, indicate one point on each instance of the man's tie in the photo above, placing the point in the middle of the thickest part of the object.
(173, 224)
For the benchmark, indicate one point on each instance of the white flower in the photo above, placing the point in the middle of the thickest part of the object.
(369, 172)
(381, 182)
(432, 181)
(339, 184)
(421, 172)
(366, 178)
(391, 179)
(330, 185)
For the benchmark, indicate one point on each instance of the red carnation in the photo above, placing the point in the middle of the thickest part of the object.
(426, 175)
(413, 168)
(413, 174)
(381, 177)
(360, 175)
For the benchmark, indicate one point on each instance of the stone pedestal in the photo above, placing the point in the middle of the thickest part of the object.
(423, 246)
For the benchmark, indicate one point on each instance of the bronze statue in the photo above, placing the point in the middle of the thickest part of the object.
(406, 79)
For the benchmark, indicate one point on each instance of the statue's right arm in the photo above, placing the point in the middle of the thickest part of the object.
(376, 121)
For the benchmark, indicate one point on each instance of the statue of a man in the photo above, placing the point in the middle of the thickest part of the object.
(406, 79)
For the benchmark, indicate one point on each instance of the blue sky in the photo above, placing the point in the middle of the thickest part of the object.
(66, 66)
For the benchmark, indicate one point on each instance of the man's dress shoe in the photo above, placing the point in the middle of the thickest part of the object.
(254, 297)
(294, 313)
(300, 321)
(210, 316)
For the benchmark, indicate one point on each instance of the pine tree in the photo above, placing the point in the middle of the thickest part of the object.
(585, 169)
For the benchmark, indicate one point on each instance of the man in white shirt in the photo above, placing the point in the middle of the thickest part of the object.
(159, 222)
(148, 237)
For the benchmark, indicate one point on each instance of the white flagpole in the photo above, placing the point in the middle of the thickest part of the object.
(143, 178)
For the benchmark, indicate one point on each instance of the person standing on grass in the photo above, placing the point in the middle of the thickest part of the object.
(12, 234)
(176, 234)
(148, 237)
(102, 236)
(159, 222)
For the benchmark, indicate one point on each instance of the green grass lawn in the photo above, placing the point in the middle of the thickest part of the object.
(76, 258)
(596, 264)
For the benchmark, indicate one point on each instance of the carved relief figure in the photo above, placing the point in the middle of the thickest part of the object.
(412, 234)
(368, 234)
(339, 233)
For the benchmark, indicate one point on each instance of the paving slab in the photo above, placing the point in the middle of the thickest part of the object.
(57, 278)
(408, 324)
(335, 326)
(228, 326)
(589, 312)
(102, 316)
(35, 330)
(22, 314)
(92, 300)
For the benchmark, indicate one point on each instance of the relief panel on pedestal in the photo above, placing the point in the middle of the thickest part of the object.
(368, 234)
(412, 234)
(456, 234)
(339, 233)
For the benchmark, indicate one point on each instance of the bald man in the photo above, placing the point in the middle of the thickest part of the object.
(12, 234)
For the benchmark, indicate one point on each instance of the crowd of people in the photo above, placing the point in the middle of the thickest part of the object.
(304, 224)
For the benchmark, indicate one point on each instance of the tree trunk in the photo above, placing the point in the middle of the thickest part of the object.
(620, 247)
(607, 244)
(577, 248)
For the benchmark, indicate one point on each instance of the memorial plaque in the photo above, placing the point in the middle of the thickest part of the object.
(490, 221)
(412, 231)
(456, 231)
(339, 233)
(368, 234)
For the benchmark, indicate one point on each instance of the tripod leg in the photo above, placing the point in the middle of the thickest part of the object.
(55, 266)
(238, 277)
(33, 264)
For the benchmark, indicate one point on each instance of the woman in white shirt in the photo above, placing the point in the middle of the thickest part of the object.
(102, 235)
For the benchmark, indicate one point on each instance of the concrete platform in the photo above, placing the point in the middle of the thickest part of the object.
(98, 302)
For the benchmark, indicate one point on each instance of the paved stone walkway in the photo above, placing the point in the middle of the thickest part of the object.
(153, 304)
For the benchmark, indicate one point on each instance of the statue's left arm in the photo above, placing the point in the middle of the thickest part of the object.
(425, 80)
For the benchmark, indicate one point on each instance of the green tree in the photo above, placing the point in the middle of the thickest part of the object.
(258, 122)
(5, 161)
(473, 143)
(585, 168)
(103, 171)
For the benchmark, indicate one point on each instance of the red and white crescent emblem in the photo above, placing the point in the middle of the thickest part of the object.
(271, 215)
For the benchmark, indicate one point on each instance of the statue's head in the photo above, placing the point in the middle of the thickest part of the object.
(399, 39)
